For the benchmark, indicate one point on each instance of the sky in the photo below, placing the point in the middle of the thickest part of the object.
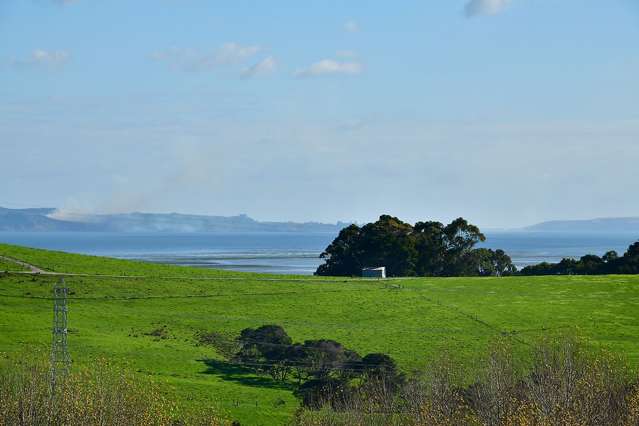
(505, 112)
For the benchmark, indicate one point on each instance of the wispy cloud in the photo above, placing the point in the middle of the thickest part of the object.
(345, 54)
(484, 7)
(195, 60)
(265, 66)
(330, 67)
(351, 125)
(40, 58)
(233, 52)
(351, 26)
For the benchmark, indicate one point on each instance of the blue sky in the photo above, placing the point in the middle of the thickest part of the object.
(504, 112)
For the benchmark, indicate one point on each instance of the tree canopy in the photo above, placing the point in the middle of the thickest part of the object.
(434, 249)
(425, 249)
(590, 264)
(327, 372)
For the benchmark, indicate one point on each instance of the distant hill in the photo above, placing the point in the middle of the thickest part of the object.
(619, 224)
(35, 220)
(45, 219)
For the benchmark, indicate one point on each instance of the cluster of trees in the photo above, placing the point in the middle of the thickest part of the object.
(609, 263)
(325, 371)
(425, 249)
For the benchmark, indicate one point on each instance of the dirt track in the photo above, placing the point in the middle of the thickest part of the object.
(34, 269)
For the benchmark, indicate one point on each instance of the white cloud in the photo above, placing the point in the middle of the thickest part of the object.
(265, 66)
(351, 26)
(484, 7)
(233, 52)
(330, 67)
(194, 60)
(41, 58)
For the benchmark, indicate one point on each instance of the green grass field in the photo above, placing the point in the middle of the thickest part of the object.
(410, 319)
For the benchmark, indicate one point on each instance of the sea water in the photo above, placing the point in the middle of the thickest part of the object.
(291, 253)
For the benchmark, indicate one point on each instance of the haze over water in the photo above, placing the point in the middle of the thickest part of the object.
(292, 253)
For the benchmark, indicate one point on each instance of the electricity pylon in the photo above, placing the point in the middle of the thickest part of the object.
(60, 358)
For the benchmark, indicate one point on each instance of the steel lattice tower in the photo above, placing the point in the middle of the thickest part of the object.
(60, 358)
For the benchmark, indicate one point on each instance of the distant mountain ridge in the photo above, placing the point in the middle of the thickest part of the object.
(611, 224)
(45, 219)
(35, 220)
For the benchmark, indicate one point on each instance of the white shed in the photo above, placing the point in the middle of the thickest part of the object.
(376, 272)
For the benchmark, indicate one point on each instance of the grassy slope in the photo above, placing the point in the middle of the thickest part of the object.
(6, 265)
(110, 317)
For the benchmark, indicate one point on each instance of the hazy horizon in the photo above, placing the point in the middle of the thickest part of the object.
(78, 216)
(506, 112)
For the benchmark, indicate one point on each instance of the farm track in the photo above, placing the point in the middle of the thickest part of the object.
(32, 268)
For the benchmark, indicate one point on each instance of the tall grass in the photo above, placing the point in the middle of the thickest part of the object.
(100, 395)
(560, 383)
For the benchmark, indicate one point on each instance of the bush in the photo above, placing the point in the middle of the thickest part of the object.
(102, 395)
(563, 385)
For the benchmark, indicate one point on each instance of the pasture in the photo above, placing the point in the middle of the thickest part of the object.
(146, 318)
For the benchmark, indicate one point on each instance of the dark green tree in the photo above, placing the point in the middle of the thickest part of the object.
(388, 242)
(326, 357)
(610, 256)
(381, 366)
(460, 238)
(486, 262)
(342, 256)
(591, 264)
(629, 263)
(427, 249)
(431, 246)
(325, 390)
(266, 349)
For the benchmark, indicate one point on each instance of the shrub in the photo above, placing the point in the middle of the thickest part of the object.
(563, 384)
(102, 395)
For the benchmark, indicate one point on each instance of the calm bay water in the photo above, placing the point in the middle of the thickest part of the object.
(290, 253)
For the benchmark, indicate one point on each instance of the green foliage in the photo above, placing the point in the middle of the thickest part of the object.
(265, 349)
(224, 344)
(324, 391)
(326, 357)
(324, 365)
(380, 366)
(486, 263)
(590, 264)
(427, 249)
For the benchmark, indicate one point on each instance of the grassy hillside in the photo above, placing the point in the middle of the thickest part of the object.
(8, 265)
(148, 321)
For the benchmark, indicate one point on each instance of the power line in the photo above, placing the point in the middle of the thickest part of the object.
(186, 296)
(309, 279)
